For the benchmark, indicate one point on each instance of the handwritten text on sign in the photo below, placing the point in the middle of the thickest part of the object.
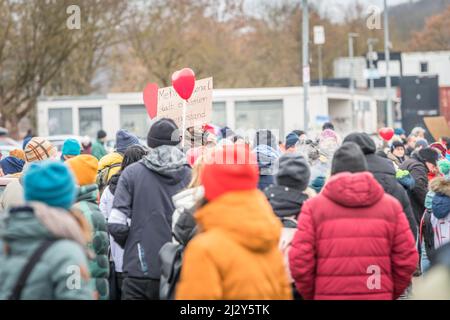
(199, 106)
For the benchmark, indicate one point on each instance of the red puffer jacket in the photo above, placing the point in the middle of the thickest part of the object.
(346, 236)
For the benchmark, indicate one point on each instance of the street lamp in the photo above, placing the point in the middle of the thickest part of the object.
(389, 118)
(352, 83)
(305, 64)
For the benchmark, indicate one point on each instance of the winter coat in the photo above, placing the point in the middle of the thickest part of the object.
(87, 204)
(144, 195)
(395, 160)
(440, 218)
(267, 158)
(106, 203)
(236, 255)
(417, 168)
(98, 149)
(12, 195)
(287, 204)
(25, 229)
(346, 233)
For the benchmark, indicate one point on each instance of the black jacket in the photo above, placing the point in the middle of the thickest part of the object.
(384, 172)
(285, 202)
(418, 170)
(144, 195)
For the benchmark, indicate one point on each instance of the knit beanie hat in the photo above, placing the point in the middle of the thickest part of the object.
(328, 134)
(84, 168)
(11, 165)
(124, 139)
(444, 166)
(163, 132)
(421, 143)
(397, 144)
(439, 148)
(348, 158)
(50, 182)
(39, 149)
(399, 131)
(101, 134)
(17, 153)
(293, 171)
(229, 168)
(291, 140)
(429, 155)
(363, 140)
(71, 147)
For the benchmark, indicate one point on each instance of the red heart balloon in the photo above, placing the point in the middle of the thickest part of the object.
(151, 99)
(183, 82)
(386, 133)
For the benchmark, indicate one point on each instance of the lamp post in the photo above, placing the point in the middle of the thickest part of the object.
(305, 64)
(352, 83)
(389, 118)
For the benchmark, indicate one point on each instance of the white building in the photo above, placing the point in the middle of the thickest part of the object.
(428, 63)
(273, 108)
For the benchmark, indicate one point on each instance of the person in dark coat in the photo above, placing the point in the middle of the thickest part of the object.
(267, 153)
(384, 172)
(141, 217)
(419, 165)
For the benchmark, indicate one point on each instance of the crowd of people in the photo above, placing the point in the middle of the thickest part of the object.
(220, 216)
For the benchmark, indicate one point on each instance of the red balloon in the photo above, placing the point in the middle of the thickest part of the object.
(151, 99)
(386, 133)
(183, 82)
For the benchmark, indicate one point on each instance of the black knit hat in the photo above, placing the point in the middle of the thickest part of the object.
(363, 140)
(348, 158)
(293, 171)
(101, 134)
(397, 144)
(429, 155)
(163, 132)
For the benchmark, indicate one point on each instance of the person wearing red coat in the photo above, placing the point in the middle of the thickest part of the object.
(353, 240)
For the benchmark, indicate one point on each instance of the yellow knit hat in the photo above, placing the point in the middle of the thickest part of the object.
(84, 167)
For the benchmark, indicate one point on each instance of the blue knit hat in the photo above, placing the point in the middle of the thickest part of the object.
(291, 140)
(125, 139)
(50, 182)
(399, 131)
(71, 147)
(11, 165)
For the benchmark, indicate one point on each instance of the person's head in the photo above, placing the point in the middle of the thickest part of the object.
(17, 153)
(11, 165)
(39, 149)
(363, 140)
(86, 142)
(71, 148)
(328, 125)
(446, 142)
(293, 171)
(430, 157)
(420, 144)
(125, 139)
(133, 154)
(348, 158)
(291, 141)
(163, 132)
(411, 141)
(50, 182)
(439, 148)
(418, 132)
(84, 168)
(400, 132)
(398, 149)
(265, 137)
(300, 133)
(101, 135)
(228, 169)
(444, 167)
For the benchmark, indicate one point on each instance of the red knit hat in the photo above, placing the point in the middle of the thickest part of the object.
(229, 168)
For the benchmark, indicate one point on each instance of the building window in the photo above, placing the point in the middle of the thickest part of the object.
(260, 115)
(134, 118)
(60, 121)
(90, 121)
(219, 114)
(424, 67)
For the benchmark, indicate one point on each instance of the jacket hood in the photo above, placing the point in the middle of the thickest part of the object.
(353, 189)
(286, 202)
(109, 159)
(167, 161)
(441, 200)
(364, 141)
(88, 193)
(267, 158)
(245, 216)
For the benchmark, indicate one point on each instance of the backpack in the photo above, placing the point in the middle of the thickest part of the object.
(170, 256)
(102, 176)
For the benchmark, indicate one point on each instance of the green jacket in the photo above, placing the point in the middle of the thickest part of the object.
(22, 233)
(98, 266)
(98, 149)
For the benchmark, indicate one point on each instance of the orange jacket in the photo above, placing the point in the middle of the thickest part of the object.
(236, 255)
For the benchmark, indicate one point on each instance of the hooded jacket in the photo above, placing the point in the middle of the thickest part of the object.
(350, 231)
(440, 218)
(417, 168)
(144, 196)
(236, 254)
(384, 172)
(87, 204)
(25, 229)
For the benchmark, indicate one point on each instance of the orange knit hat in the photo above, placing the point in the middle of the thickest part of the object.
(84, 167)
(17, 153)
